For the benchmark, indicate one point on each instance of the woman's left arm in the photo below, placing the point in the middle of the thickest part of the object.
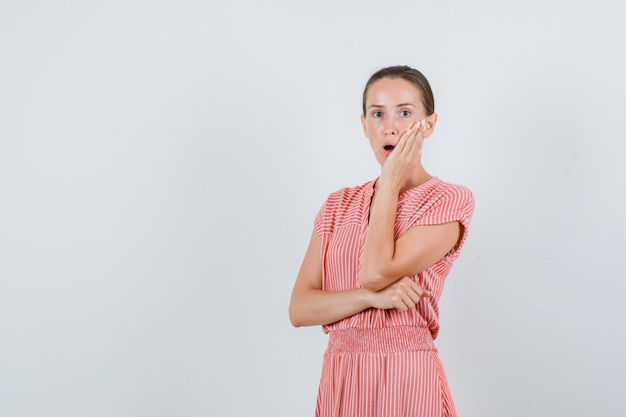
(386, 260)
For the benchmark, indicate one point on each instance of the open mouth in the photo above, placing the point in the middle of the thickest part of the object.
(389, 147)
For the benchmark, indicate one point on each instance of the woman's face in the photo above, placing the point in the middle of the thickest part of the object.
(392, 105)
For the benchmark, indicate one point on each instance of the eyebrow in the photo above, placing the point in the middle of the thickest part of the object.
(399, 105)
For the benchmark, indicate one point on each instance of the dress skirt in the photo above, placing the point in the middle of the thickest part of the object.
(384, 372)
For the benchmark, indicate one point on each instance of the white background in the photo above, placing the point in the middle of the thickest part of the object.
(161, 164)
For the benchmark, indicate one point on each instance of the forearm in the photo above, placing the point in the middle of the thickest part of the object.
(379, 247)
(317, 307)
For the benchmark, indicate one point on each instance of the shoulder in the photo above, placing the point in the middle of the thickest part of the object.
(344, 206)
(436, 192)
(441, 191)
(454, 201)
(346, 195)
(437, 201)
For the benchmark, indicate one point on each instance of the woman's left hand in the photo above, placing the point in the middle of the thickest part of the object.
(405, 157)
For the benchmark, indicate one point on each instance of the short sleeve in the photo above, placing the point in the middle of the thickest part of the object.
(318, 222)
(324, 220)
(455, 203)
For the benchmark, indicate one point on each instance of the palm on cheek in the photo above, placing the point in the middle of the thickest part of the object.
(406, 156)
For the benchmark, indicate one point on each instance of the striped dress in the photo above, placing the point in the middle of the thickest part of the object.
(383, 363)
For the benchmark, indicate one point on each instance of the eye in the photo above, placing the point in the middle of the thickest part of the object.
(377, 114)
(405, 113)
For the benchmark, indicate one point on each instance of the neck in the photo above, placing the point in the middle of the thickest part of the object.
(416, 180)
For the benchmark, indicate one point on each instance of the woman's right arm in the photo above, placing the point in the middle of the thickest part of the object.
(310, 305)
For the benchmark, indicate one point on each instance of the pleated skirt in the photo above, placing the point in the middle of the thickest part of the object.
(387, 372)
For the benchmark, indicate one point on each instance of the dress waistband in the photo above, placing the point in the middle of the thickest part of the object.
(382, 340)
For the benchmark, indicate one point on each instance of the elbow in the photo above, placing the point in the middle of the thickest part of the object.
(372, 282)
(295, 322)
(295, 318)
(373, 276)
(377, 274)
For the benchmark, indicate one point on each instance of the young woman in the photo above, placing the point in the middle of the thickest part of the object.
(375, 267)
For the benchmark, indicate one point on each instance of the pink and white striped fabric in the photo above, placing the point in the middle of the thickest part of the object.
(383, 363)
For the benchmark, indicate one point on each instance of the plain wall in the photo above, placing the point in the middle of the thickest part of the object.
(161, 164)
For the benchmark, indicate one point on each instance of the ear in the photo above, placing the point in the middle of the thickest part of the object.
(363, 125)
(431, 121)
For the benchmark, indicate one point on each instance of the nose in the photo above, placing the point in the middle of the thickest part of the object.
(390, 127)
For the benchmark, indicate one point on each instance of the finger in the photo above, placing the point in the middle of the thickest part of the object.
(424, 292)
(409, 300)
(407, 295)
(402, 299)
(415, 297)
(414, 144)
(421, 292)
(400, 306)
(423, 130)
(405, 306)
(411, 134)
(400, 146)
(420, 131)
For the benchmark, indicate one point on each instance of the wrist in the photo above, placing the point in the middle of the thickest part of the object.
(368, 297)
(388, 185)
